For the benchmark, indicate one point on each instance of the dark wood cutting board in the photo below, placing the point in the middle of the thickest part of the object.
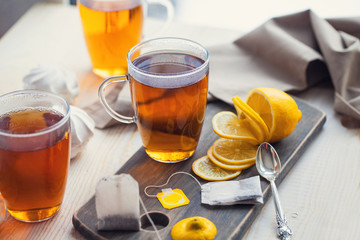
(232, 222)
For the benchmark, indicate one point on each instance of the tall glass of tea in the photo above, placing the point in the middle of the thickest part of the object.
(168, 81)
(34, 153)
(111, 28)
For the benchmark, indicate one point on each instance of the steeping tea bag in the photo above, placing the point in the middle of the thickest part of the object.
(2, 209)
(117, 203)
(246, 191)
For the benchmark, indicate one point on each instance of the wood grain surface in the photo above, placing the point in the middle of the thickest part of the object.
(232, 221)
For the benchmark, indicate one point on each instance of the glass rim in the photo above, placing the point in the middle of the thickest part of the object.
(110, 5)
(200, 68)
(41, 131)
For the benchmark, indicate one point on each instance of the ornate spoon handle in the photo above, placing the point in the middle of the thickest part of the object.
(283, 229)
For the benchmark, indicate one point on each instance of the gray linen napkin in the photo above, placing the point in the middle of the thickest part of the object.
(290, 52)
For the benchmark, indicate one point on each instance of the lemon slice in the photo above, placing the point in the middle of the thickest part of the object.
(234, 151)
(256, 123)
(207, 170)
(227, 166)
(278, 110)
(227, 125)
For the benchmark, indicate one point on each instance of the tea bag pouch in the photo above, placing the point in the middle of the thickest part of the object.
(117, 203)
(246, 191)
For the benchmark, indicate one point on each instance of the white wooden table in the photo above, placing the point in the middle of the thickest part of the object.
(320, 195)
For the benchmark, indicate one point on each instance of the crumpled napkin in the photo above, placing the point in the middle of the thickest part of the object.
(245, 191)
(82, 130)
(290, 52)
(53, 79)
(64, 83)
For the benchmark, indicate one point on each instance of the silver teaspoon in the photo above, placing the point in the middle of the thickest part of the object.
(268, 165)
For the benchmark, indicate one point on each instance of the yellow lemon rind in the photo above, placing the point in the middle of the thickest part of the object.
(227, 166)
(225, 160)
(244, 107)
(194, 228)
(219, 132)
(228, 174)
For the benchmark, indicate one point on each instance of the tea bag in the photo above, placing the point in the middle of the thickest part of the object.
(245, 191)
(117, 203)
(53, 79)
(82, 129)
(2, 209)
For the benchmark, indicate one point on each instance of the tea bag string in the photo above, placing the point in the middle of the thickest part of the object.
(151, 221)
(168, 180)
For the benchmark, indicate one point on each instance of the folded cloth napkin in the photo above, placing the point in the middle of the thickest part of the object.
(245, 191)
(290, 52)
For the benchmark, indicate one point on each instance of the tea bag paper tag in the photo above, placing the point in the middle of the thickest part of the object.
(172, 198)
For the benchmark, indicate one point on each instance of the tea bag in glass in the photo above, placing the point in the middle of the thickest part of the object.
(2, 209)
(117, 203)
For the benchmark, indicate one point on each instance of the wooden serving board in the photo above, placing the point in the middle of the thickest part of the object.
(232, 222)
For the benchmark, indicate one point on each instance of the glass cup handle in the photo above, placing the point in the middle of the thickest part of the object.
(169, 11)
(109, 110)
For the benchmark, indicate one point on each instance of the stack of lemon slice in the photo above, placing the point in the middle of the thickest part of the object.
(268, 115)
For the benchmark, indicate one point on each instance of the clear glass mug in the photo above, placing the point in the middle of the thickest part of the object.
(112, 27)
(168, 80)
(34, 153)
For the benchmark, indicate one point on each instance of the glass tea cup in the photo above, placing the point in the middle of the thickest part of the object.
(168, 80)
(34, 153)
(112, 27)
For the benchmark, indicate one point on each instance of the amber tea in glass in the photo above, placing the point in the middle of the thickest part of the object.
(110, 34)
(169, 94)
(34, 153)
(111, 28)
